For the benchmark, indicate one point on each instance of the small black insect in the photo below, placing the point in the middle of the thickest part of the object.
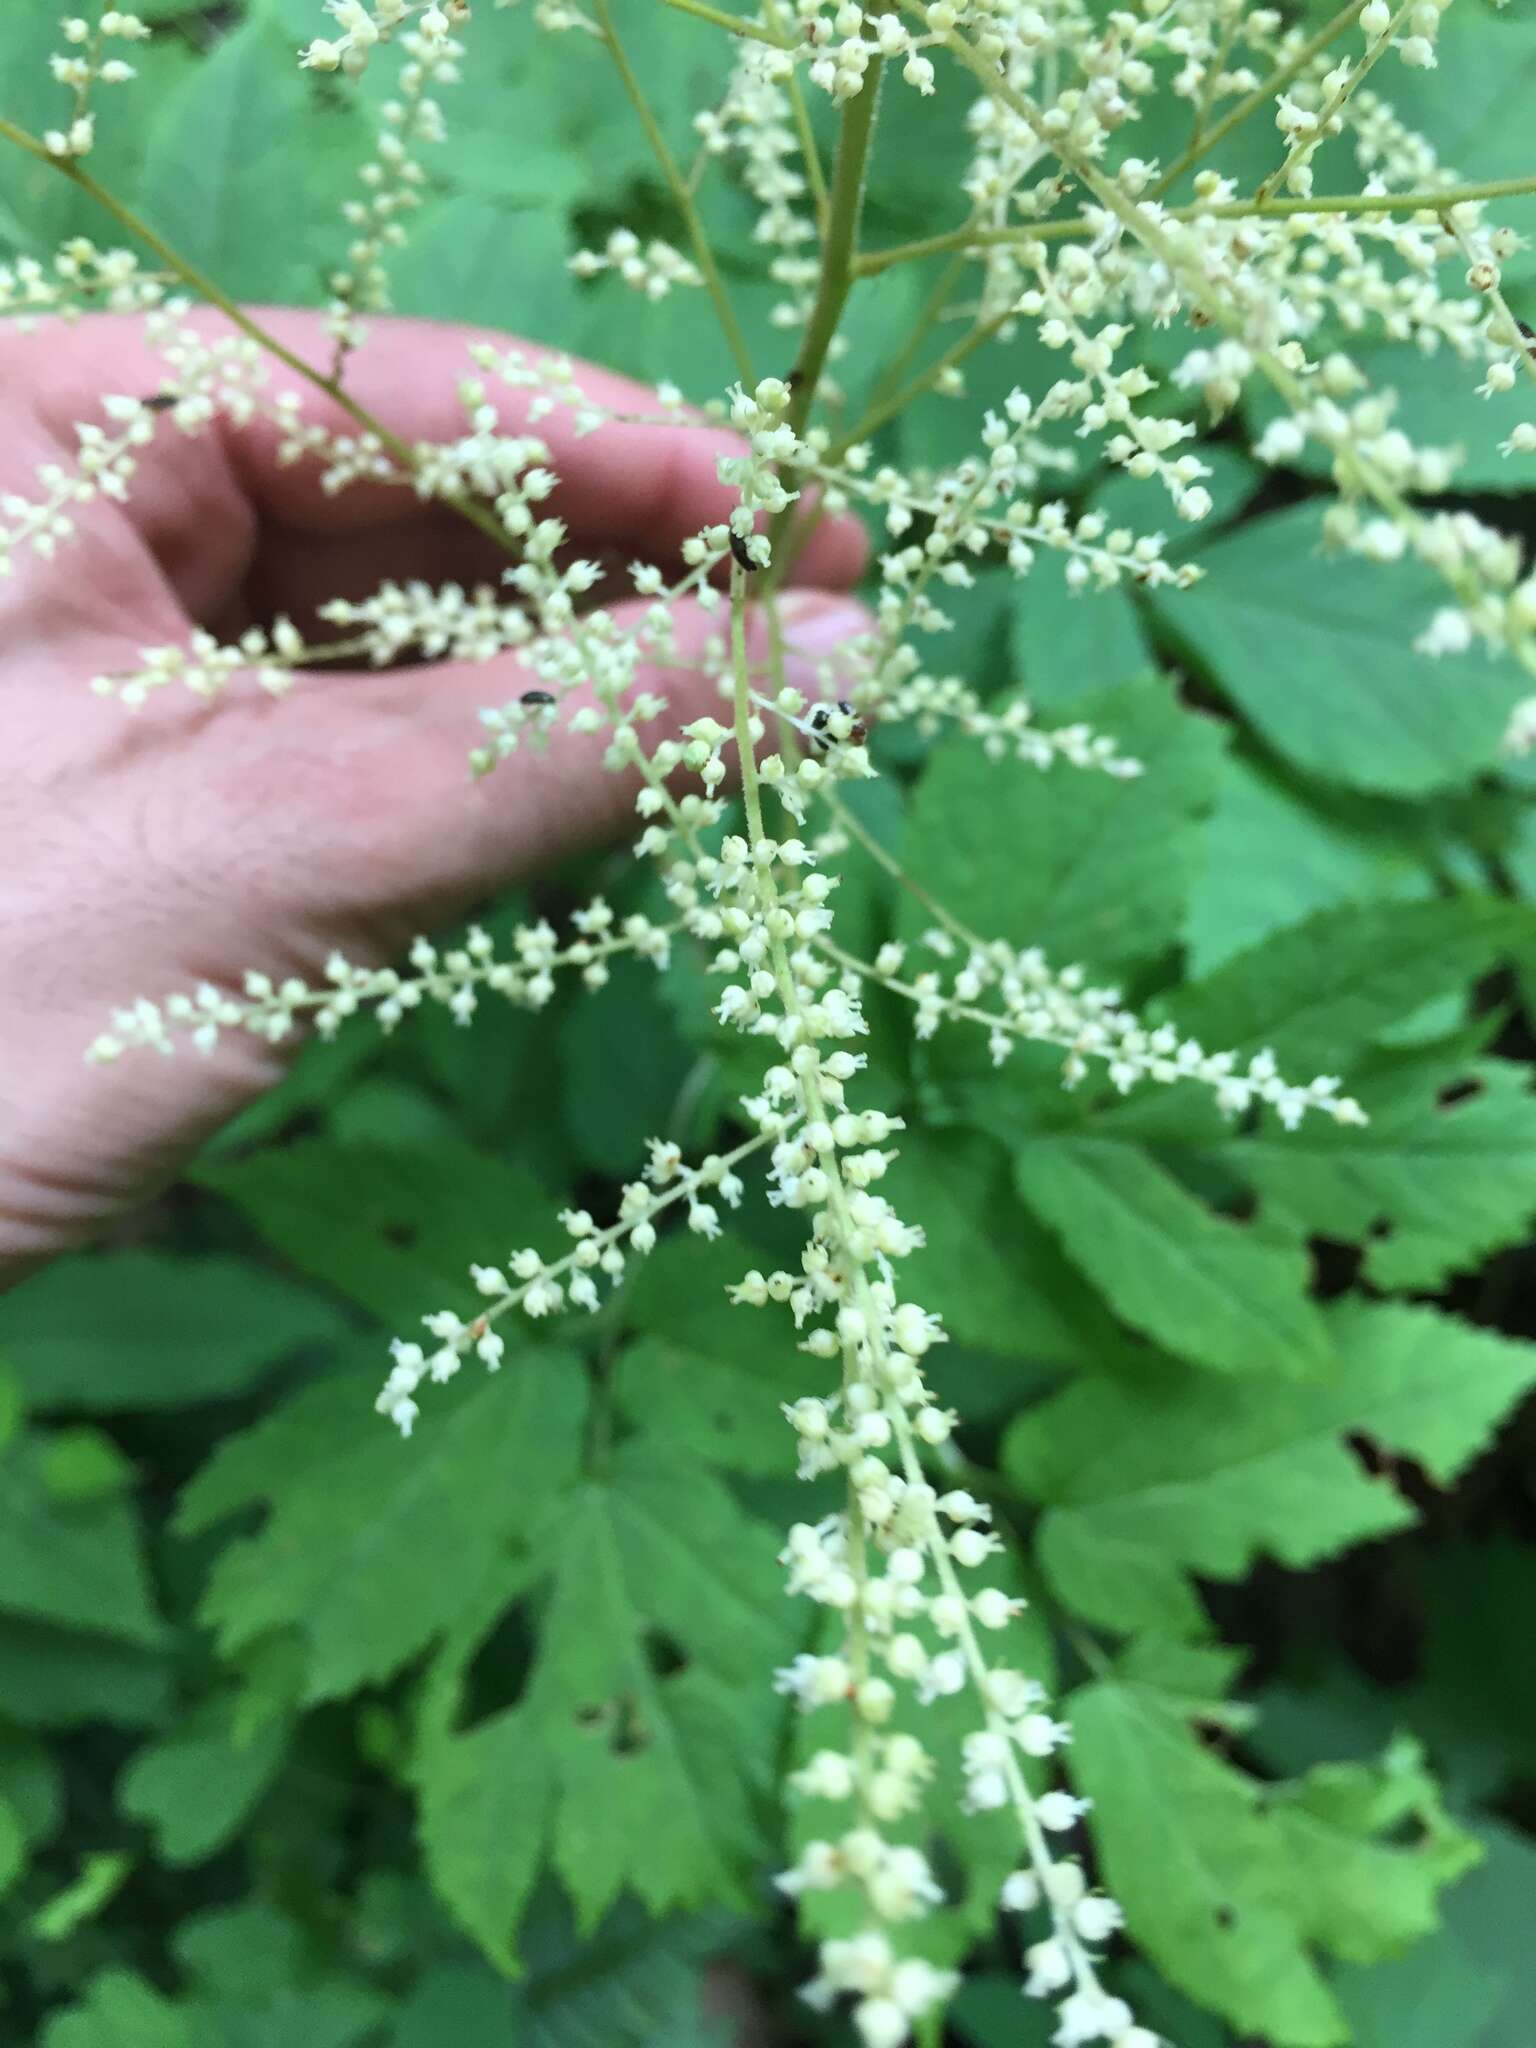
(161, 402)
(739, 550)
(1528, 336)
(536, 699)
(822, 738)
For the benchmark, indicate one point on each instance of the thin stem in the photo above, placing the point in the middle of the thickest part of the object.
(886, 409)
(927, 319)
(205, 288)
(1266, 89)
(732, 23)
(1303, 151)
(1212, 78)
(838, 255)
(704, 256)
(877, 260)
(810, 155)
(1497, 299)
(857, 829)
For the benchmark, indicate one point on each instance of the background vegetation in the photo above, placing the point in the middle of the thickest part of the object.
(272, 1767)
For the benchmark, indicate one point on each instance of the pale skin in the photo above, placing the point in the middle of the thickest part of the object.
(147, 852)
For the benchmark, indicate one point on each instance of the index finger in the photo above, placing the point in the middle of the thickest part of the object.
(641, 486)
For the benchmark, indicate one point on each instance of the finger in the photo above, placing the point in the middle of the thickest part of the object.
(366, 807)
(641, 486)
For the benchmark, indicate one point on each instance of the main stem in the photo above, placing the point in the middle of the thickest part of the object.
(839, 251)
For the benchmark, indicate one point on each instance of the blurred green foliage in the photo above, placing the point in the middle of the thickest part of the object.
(308, 1735)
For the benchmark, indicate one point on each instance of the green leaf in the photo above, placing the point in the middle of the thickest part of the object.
(457, 256)
(120, 2010)
(1274, 857)
(648, 1719)
(1429, 1185)
(196, 1786)
(241, 1952)
(373, 1545)
(1485, 70)
(13, 1844)
(1351, 1892)
(1489, 1919)
(76, 1562)
(989, 1268)
(234, 152)
(635, 1983)
(632, 1984)
(660, 1768)
(84, 1464)
(1323, 992)
(324, 2015)
(1231, 1886)
(1146, 1484)
(127, 1330)
(1069, 645)
(57, 1679)
(1085, 867)
(1439, 1995)
(623, 1063)
(1333, 684)
(485, 1804)
(393, 1230)
(1209, 1289)
(31, 1783)
(706, 1377)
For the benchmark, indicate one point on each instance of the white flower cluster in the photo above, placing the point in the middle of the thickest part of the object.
(78, 278)
(84, 63)
(456, 979)
(653, 267)
(542, 1287)
(106, 458)
(757, 124)
(205, 378)
(890, 1563)
(1047, 1006)
(932, 702)
(391, 180)
(206, 667)
(361, 27)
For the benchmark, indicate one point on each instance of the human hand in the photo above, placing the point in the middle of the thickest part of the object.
(146, 852)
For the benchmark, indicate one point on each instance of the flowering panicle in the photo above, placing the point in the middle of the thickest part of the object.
(360, 27)
(654, 268)
(1063, 229)
(391, 182)
(78, 278)
(106, 458)
(931, 702)
(523, 975)
(87, 60)
(542, 1287)
(1038, 1004)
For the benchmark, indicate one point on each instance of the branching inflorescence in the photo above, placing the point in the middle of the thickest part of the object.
(1064, 230)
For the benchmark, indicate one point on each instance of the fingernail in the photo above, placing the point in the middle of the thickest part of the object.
(817, 624)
